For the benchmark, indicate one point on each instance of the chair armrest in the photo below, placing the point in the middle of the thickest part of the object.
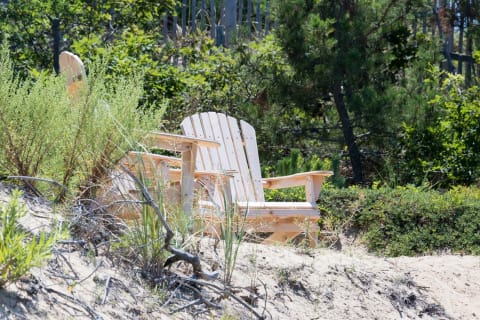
(216, 183)
(312, 181)
(176, 142)
(156, 159)
(199, 174)
(150, 164)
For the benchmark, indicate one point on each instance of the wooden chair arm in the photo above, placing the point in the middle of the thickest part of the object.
(155, 166)
(175, 174)
(145, 157)
(312, 181)
(176, 142)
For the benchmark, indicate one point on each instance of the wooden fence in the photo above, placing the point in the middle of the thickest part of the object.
(457, 43)
(228, 22)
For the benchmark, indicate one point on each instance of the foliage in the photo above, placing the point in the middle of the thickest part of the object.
(29, 113)
(407, 220)
(71, 139)
(346, 55)
(28, 25)
(143, 243)
(444, 151)
(232, 231)
(296, 163)
(20, 251)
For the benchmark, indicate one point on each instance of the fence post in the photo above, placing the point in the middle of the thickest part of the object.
(213, 19)
(193, 12)
(249, 18)
(184, 18)
(230, 20)
(267, 17)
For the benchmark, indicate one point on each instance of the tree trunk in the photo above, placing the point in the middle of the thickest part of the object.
(339, 73)
(469, 48)
(353, 152)
(460, 42)
(55, 22)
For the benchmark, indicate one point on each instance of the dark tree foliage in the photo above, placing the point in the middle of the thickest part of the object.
(348, 53)
(27, 24)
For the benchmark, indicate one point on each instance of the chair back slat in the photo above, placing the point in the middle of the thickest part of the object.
(249, 193)
(246, 183)
(71, 66)
(251, 150)
(236, 183)
(214, 154)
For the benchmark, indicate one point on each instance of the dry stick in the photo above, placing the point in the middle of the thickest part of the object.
(208, 303)
(113, 203)
(113, 279)
(55, 183)
(67, 262)
(107, 283)
(172, 295)
(91, 273)
(229, 293)
(85, 306)
(177, 253)
(194, 302)
(266, 295)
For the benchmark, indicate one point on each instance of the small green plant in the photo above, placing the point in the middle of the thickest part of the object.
(232, 231)
(143, 243)
(143, 240)
(19, 251)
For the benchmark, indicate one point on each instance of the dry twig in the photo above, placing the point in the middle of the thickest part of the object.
(178, 255)
(70, 298)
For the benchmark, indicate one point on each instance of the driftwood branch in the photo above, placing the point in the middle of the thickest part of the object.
(27, 178)
(107, 284)
(71, 298)
(227, 292)
(178, 255)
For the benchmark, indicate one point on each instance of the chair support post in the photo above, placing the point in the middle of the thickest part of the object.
(188, 169)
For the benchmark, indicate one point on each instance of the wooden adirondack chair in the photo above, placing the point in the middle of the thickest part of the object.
(74, 70)
(238, 154)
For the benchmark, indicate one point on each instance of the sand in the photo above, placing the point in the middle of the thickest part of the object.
(282, 282)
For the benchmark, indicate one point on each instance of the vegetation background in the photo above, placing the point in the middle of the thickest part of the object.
(368, 89)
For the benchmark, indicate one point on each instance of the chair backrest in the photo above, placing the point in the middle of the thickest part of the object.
(74, 70)
(237, 152)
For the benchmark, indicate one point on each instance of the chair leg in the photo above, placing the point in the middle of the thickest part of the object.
(312, 238)
(280, 237)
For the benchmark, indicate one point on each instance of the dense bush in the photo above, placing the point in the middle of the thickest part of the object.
(46, 133)
(444, 150)
(407, 221)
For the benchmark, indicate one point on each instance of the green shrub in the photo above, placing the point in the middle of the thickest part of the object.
(295, 162)
(408, 221)
(46, 133)
(444, 150)
(143, 243)
(19, 251)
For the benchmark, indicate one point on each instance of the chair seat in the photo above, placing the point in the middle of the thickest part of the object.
(281, 209)
(238, 153)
